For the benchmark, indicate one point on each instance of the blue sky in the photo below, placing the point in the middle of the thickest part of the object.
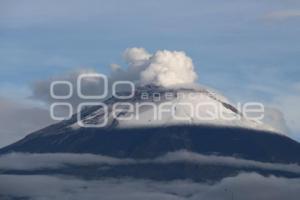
(248, 49)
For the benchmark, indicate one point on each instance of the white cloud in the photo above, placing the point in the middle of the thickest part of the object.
(26, 161)
(275, 118)
(39, 187)
(169, 68)
(135, 55)
(288, 103)
(280, 102)
(23, 161)
(186, 156)
(164, 68)
(90, 86)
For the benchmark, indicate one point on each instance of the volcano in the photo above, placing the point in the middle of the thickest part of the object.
(178, 144)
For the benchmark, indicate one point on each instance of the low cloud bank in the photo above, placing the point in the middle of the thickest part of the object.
(23, 161)
(27, 161)
(246, 186)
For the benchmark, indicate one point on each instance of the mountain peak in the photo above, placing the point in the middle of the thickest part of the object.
(155, 106)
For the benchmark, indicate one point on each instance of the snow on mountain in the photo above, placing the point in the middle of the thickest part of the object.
(153, 106)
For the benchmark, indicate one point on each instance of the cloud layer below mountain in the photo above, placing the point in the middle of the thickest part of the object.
(242, 187)
(26, 161)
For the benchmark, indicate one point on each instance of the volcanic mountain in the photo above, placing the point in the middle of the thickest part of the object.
(164, 134)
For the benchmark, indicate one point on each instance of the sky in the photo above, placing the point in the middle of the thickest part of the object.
(248, 49)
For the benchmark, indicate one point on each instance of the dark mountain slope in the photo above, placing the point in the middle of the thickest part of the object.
(153, 142)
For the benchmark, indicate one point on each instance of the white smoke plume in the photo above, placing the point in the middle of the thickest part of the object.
(167, 68)
(136, 56)
(163, 68)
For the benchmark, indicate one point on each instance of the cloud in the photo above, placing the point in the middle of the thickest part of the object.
(186, 156)
(278, 94)
(282, 14)
(288, 103)
(135, 55)
(41, 89)
(167, 68)
(26, 161)
(163, 68)
(275, 118)
(15, 122)
(39, 187)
